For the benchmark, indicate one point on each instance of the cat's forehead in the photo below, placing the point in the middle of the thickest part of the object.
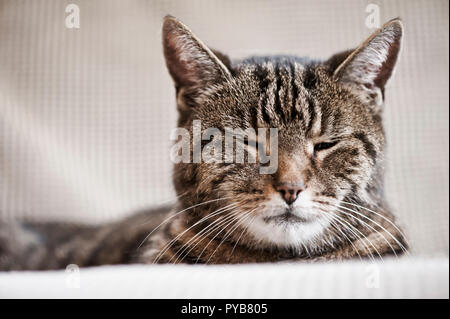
(284, 88)
(279, 60)
(282, 79)
(293, 94)
(267, 68)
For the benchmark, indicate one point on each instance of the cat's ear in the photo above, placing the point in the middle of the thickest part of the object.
(190, 62)
(369, 67)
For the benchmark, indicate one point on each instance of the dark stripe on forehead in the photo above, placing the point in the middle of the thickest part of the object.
(262, 75)
(368, 146)
(324, 122)
(277, 101)
(312, 114)
(254, 117)
(309, 78)
(294, 90)
(264, 113)
(287, 90)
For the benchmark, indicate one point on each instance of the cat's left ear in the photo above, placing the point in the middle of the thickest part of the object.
(368, 68)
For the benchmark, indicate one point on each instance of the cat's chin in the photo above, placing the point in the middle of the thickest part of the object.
(287, 230)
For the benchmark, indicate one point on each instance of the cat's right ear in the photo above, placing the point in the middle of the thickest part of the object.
(189, 61)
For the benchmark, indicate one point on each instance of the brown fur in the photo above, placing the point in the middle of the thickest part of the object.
(330, 134)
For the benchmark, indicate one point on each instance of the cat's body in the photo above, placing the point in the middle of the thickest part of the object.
(324, 202)
(43, 246)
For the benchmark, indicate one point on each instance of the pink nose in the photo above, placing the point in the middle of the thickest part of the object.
(290, 191)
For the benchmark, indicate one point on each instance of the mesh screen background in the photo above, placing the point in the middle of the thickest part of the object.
(86, 114)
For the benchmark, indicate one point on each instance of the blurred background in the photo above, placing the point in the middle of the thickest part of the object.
(86, 113)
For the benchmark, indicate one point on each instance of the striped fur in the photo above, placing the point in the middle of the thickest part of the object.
(330, 135)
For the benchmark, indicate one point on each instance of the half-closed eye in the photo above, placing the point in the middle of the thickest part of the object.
(323, 146)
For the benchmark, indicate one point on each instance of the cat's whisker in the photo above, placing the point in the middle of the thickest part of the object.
(329, 240)
(200, 236)
(378, 214)
(178, 213)
(370, 227)
(305, 248)
(243, 231)
(171, 201)
(331, 227)
(377, 224)
(215, 213)
(238, 213)
(232, 229)
(172, 242)
(331, 220)
(217, 225)
(236, 217)
(203, 234)
(362, 238)
(352, 229)
(358, 235)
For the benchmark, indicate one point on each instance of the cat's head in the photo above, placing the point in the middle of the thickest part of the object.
(330, 135)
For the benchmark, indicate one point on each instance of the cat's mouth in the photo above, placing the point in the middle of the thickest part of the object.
(287, 217)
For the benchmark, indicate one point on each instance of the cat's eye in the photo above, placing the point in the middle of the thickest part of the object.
(323, 146)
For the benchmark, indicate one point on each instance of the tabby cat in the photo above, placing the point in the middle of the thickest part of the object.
(324, 202)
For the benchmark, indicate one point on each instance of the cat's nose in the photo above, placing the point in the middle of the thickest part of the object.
(290, 191)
